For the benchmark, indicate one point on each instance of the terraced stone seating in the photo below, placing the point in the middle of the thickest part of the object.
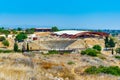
(57, 44)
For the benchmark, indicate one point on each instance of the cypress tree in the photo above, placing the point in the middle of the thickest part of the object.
(15, 47)
(111, 43)
(27, 46)
(106, 42)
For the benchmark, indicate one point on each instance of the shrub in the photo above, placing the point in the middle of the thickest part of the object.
(118, 57)
(113, 70)
(92, 70)
(97, 47)
(70, 62)
(6, 51)
(19, 50)
(117, 50)
(5, 43)
(83, 52)
(90, 52)
(2, 38)
(53, 52)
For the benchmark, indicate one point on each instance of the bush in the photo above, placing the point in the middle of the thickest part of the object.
(113, 70)
(118, 57)
(5, 43)
(19, 50)
(92, 70)
(53, 52)
(117, 50)
(97, 47)
(70, 62)
(2, 38)
(6, 51)
(83, 52)
(90, 52)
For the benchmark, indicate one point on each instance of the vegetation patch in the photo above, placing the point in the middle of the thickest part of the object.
(5, 43)
(71, 62)
(15, 47)
(118, 57)
(2, 38)
(117, 50)
(6, 51)
(30, 31)
(90, 52)
(102, 57)
(113, 70)
(53, 52)
(97, 47)
(21, 36)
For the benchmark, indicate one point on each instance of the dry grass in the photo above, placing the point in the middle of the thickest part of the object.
(48, 65)
(14, 73)
(17, 67)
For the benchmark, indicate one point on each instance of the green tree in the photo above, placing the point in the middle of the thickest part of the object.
(14, 31)
(54, 29)
(99, 30)
(106, 42)
(30, 31)
(97, 47)
(6, 32)
(21, 36)
(2, 28)
(111, 43)
(19, 29)
(2, 38)
(5, 43)
(15, 47)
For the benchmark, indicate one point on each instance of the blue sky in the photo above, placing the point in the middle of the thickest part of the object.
(82, 14)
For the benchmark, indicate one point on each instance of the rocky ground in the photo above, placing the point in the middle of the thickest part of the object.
(16, 66)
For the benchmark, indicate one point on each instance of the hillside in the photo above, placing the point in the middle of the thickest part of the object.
(16, 66)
